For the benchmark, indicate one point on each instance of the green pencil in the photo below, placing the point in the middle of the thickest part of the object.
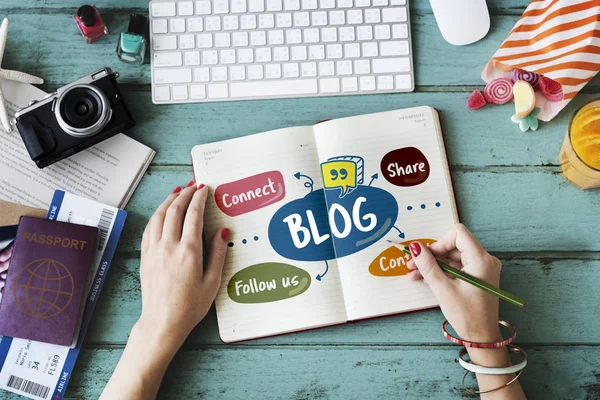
(512, 299)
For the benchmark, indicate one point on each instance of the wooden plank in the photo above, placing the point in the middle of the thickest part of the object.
(346, 372)
(509, 210)
(437, 63)
(555, 292)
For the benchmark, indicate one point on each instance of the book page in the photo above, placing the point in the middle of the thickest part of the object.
(280, 274)
(107, 172)
(386, 178)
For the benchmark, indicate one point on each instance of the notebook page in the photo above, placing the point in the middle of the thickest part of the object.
(409, 204)
(268, 161)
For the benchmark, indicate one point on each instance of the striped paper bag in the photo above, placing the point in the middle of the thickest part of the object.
(559, 39)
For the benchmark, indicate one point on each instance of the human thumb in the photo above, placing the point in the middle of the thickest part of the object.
(428, 266)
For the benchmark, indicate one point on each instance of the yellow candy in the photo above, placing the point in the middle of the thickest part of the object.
(524, 98)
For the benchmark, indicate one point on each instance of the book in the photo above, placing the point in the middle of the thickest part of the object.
(40, 370)
(47, 278)
(108, 172)
(311, 210)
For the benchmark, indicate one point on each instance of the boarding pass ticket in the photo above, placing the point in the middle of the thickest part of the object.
(40, 370)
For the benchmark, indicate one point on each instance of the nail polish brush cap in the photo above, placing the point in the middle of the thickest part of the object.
(87, 15)
(137, 24)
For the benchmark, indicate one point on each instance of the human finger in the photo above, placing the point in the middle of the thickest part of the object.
(173, 226)
(194, 218)
(154, 229)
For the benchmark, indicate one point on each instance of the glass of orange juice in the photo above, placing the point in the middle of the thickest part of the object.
(580, 153)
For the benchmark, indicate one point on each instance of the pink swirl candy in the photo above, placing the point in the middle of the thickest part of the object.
(530, 77)
(498, 91)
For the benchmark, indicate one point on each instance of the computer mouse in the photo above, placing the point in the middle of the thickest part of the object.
(461, 22)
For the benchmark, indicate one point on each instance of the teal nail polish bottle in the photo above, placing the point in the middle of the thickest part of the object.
(132, 44)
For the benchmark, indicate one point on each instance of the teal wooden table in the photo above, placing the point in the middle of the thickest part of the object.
(509, 190)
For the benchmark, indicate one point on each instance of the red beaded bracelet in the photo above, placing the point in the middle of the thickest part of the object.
(492, 345)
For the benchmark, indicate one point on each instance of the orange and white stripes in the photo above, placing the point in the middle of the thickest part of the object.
(559, 39)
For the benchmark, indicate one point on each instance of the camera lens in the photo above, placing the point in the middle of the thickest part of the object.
(83, 110)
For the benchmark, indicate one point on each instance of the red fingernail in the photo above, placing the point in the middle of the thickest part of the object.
(415, 249)
(177, 189)
(201, 186)
(191, 183)
(225, 234)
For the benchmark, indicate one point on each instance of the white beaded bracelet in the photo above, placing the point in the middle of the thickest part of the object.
(478, 369)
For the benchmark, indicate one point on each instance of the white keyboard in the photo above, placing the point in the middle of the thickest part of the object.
(220, 50)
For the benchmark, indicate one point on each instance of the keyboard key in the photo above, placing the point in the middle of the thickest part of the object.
(301, 19)
(240, 39)
(170, 59)
(316, 52)
(400, 31)
(351, 50)
(329, 35)
(326, 68)
(370, 50)
(382, 32)
(385, 82)
(327, 4)
(355, 17)
(248, 21)
(319, 18)
(309, 4)
(258, 38)
(180, 92)
(291, 70)
(311, 35)
(205, 40)
(329, 85)
(308, 69)
(389, 65)
(245, 56)
(191, 58)
(167, 76)
(281, 54)
(212, 24)
(292, 5)
(397, 2)
(163, 9)
(334, 51)
(197, 92)
(284, 20)
(161, 93)
(403, 82)
(263, 54)
(344, 3)
(398, 48)
(367, 83)
(362, 3)
(380, 3)
(274, 5)
(159, 26)
(364, 33)
(195, 24)
(350, 84)
(372, 16)
(347, 34)
(273, 71)
(231, 23)
(185, 8)
(337, 17)
(256, 5)
(187, 42)
(276, 37)
(210, 57)
(255, 72)
(177, 25)
(227, 56)
(222, 40)
(293, 36)
(201, 74)
(221, 6)
(218, 91)
(238, 6)
(203, 7)
(362, 67)
(237, 73)
(394, 14)
(164, 42)
(274, 88)
(219, 74)
(299, 53)
(344, 67)
(266, 21)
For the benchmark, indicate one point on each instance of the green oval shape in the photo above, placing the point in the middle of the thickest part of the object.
(266, 282)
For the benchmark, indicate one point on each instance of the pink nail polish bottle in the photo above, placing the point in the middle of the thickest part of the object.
(90, 23)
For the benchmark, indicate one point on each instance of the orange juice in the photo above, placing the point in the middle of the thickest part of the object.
(580, 154)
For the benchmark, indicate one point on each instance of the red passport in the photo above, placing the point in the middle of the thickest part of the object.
(46, 282)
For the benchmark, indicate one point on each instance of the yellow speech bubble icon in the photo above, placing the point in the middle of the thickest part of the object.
(339, 174)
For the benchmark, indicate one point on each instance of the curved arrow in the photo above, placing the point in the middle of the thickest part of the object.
(308, 184)
(373, 177)
(400, 233)
(320, 276)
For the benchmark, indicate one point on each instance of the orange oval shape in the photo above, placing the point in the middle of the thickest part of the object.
(392, 261)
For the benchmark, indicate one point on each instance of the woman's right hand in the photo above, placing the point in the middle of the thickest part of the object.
(472, 312)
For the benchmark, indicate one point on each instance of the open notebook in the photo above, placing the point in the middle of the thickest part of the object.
(311, 210)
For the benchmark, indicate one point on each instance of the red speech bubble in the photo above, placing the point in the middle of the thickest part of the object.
(251, 193)
(405, 167)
